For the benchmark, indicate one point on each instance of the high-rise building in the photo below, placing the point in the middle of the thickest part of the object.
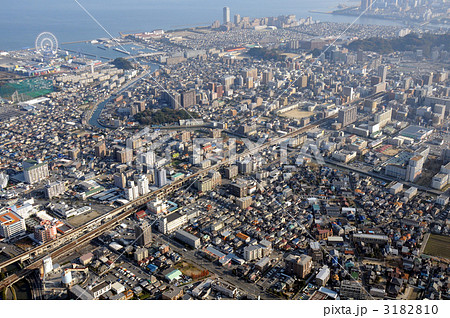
(414, 168)
(384, 117)
(302, 81)
(131, 192)
(267, 77)
(143, 233)
(148, 158)
(125, 155)
(160, 177)
(74, 153)
(35, 171)
(45, 232)
(347, 115)
(382, 72)
(142, 184)
(54, 189)
(226, 15)
(237, 18)
(11, 224)
(4, 178)
(364, 4)
(188, 98)
(348, 91)
(231, 172)
(173, 99)
(100, 149)
(120, 180)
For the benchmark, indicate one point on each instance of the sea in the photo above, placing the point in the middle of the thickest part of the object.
(22, 21)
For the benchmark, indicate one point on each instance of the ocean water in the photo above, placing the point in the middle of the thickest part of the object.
(21, 21)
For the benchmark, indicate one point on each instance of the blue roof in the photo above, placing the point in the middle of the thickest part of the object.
(152, 267)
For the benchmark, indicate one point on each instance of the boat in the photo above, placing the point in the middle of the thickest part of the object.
(121, 51)
(101, 47)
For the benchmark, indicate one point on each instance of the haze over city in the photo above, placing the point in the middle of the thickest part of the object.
(238, 150)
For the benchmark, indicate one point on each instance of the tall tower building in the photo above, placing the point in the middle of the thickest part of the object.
(143, 233)
(160, 177)
(237, 18)
(148, 158)
(382, 72)
(226, 15)
(347, 115)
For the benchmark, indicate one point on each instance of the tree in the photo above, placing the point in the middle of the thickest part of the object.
(122, 63)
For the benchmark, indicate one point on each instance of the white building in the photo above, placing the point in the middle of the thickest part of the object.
(35, 171)
(101, 289)
(132, 192)
(3, 180)
(439, 181)
(48, 264)
(172, 222)
(142, 184)
(323, 276)
(157, 206)
(54, 189)
(25, 210)
(11, 224)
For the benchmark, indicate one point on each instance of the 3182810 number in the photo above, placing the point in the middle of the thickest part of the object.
(410, 309)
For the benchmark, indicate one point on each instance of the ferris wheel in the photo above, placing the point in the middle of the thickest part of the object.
(46, 44)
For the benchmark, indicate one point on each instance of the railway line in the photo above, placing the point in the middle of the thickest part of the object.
(67, 242)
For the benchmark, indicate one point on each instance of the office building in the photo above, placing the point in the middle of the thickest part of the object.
(35, 171)
(11, 224)
(172, 222)
(100, 149)
(231, 172)
(188, 98)
(352, 289)
(143, 233)
(439, 181)
(45, 232)
(142, 184)
(160, 177)
(74, 153)
(54, 189)
(347, 115)
(299, 266)
(226, 15)
(382, 72)
(237, 18)
(120, 180)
